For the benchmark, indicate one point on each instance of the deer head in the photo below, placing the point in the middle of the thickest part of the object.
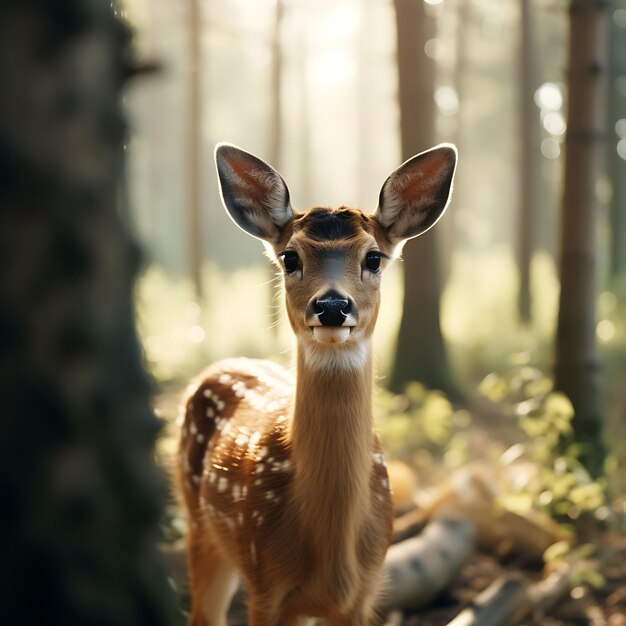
(332, 259)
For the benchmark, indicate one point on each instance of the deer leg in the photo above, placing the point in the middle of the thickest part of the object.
(212, 582)
(356, 618)
(262, 614)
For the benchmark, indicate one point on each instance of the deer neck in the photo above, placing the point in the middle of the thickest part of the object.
(331, 440)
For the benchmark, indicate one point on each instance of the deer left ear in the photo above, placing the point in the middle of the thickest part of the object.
(415, 195)
(254, 193)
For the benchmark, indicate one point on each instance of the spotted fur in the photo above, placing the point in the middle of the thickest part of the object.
(283, 478)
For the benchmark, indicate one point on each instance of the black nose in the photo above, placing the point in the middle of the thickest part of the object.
(332, 309)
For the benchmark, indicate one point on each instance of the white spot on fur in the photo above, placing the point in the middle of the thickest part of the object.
(193, 428)
(241, 440)
(258, 481)
(222, 484)
(379, 458)
(281, 467)
(220, 405)
(210, 412)
(236, 491)
(262, 453)
(269, 495)
(225, 379)
(385, 483)
(239, 389)
(259, 468)
(199, 437)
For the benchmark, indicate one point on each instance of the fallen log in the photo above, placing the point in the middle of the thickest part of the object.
(509, 599)
(471, 495)
(420, 568)
(504, 603)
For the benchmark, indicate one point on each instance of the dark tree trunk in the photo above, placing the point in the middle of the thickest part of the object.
(420, 351)
(80, 495)
(577, 367)
(529, 160)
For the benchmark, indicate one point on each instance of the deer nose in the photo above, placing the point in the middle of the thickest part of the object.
(332, 309)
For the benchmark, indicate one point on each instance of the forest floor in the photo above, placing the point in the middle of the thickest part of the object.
(583, 606)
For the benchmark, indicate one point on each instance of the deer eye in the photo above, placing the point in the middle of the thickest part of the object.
(290, 261)
(372, 261)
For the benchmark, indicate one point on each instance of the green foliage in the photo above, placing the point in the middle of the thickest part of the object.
(584, 570)
(180, 336)
(420, 419)
(550, 476)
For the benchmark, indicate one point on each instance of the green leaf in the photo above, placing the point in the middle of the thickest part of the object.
(556, 552)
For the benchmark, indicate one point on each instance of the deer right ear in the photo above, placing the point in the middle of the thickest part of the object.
(254, 194)
(415, 196)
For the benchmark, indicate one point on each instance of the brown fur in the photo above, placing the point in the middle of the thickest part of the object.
(325, 525)
(284, 480)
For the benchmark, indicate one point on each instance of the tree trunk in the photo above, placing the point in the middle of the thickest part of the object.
(617, 163)
(81, 497)
(420, 351)
(195, 144)
(577, 368)
(529, 159)
(275, 143)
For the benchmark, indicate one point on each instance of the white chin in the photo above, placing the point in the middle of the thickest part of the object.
(331, 335)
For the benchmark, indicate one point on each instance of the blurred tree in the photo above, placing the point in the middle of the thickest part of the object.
(81, 497)
(275, 138)
(529, 160)
(577, 367)
(420, 351)
(617, 133)
(276, 126)
(195, 146)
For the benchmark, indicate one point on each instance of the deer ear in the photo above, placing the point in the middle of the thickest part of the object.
(254, 194)
(415, 195)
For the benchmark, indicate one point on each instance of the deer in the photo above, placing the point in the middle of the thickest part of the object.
(283, 478)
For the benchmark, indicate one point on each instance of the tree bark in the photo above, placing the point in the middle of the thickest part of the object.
(81, 496)
(529, 158)
(420, 351)
(195, 145)
(617, 164)
(577, 367)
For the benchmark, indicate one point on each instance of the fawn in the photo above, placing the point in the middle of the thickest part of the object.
(284, 481)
